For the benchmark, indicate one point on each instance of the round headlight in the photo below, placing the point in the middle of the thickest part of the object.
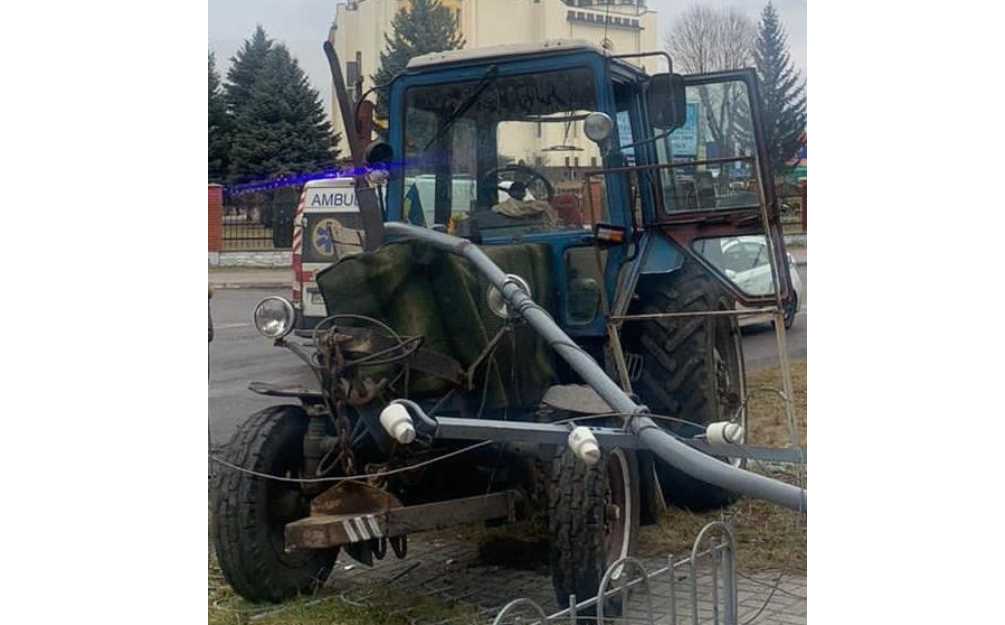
(274, 317)
(598, 126)
(497, 303)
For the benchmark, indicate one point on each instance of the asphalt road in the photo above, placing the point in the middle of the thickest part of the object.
(238, 355)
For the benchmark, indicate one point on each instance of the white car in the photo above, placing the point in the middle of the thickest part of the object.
(745, 262)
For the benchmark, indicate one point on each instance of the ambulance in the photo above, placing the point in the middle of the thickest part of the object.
(327, 227)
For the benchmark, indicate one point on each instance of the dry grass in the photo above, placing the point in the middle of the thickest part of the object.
(327, 608)
(766, 414)
(768, 537)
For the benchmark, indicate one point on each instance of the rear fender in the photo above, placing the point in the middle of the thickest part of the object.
(661, 256)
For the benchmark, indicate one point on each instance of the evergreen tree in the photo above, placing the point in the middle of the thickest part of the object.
(783, 95)
(426, 27)
(219, 126)
(245, 68)
(281, 128)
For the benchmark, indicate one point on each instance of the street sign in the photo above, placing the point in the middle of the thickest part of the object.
(684, 140)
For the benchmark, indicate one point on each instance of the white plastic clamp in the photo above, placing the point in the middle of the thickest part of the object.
(583, 443)
(724, 433)
(398, 423)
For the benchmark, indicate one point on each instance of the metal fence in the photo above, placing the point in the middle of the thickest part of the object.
(699, 588)
(260, 221)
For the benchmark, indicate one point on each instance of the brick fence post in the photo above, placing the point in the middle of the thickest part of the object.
(215, 217)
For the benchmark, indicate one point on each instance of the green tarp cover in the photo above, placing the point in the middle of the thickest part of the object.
(420, 290)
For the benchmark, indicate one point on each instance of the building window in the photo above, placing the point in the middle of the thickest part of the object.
(353, 74)
(577, 161)
(539, 130)
(593, 161)
(567, 161)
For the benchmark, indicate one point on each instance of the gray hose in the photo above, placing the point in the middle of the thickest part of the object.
(691, 461)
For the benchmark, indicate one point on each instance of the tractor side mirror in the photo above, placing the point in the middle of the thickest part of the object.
(378, 154)
(667, 102)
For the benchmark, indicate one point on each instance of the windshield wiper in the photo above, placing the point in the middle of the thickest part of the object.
(490, 76)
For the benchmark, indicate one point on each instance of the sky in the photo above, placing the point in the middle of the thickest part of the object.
(303, 26)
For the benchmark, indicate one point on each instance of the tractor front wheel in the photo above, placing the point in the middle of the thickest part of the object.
(250, 513)
(593, 518)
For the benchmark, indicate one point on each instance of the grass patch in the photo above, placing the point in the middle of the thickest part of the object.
(329, 607)
(768, 537)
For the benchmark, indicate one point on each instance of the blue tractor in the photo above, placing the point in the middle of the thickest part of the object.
(548, 285)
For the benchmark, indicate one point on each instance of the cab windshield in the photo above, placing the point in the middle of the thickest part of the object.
(500, 155)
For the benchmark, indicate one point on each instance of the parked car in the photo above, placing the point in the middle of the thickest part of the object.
(746, 264)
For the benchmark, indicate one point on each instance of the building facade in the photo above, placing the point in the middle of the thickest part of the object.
(623, 26)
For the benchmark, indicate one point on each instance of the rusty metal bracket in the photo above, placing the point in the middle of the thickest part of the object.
(323, 531)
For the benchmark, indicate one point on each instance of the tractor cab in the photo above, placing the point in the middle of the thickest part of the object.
(565, 145)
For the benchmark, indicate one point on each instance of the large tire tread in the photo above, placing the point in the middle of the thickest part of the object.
(677, 379)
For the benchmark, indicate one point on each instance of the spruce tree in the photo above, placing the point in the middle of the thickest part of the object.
(783, 94)
(425, 27)
(219, 126)
(281, 129)
(245, 67)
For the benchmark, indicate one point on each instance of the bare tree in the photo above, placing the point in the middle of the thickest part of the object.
(704, 40)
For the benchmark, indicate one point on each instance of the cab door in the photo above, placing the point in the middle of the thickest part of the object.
(719, 201)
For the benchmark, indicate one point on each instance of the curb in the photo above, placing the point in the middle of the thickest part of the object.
(250, 285)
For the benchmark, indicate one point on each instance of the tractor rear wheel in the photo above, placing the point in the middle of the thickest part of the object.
(250, 513)
(593, 518)
(693, 370)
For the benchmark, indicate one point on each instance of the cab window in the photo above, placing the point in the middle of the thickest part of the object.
(501, 155)
(712, 152)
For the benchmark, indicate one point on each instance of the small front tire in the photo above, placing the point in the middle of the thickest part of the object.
(250, 513)
(593, 518)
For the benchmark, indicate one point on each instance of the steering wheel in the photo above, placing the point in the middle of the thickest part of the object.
(518, 188)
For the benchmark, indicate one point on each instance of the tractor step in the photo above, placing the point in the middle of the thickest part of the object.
(331, 530)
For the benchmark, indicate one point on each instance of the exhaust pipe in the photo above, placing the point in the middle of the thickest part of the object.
(369, 208)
